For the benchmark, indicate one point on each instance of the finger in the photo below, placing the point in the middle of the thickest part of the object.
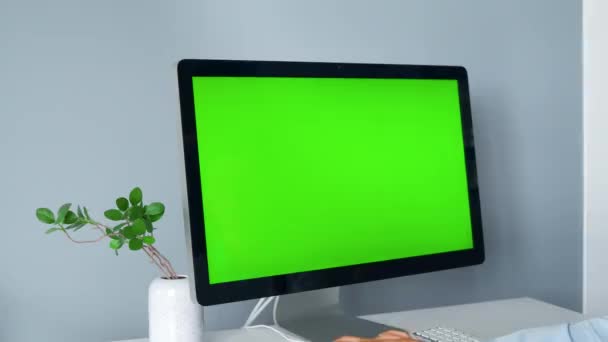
(387, 337)
(394, 334)
(351, 339)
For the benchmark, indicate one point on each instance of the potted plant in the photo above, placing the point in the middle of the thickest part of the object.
(172, 314)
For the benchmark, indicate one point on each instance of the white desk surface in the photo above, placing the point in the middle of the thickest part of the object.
(483, 320)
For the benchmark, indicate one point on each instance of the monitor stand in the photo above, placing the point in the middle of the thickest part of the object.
(318, 316)
(328, 326)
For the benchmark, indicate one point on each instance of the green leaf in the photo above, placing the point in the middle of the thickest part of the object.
(149, 240)
(135, 213)
(122, 203)
(116, 244)
(86, 213)
(73, 225)
(128, 232)
(79, 225)
(139, 226)
(62, 212)
(113, 214)
(155, 218)
(135, 244)
(155, 208)
(79, 212)
(113, 234)
(118, 226)
(70, 217)
(135, 196)
(149, 227)
(45, 215)
(54, 229)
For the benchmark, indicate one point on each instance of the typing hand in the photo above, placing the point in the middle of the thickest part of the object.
(387, 336)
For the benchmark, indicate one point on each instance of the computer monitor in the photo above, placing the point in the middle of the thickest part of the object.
(302, 176)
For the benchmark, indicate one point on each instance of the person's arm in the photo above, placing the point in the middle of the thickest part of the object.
(585, 331)
(387, 336)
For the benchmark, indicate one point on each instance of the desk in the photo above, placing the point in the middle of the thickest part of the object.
(484, 320)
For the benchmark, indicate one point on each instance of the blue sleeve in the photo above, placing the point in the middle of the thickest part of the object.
(595, 330)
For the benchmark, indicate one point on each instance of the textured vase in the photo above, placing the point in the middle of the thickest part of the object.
(172, 314)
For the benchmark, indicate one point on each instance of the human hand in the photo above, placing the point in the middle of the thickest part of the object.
(387, 336)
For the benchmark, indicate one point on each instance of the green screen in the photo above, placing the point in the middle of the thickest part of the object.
(302, 174)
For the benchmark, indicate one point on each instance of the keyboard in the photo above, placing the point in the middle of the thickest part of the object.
(441, 334)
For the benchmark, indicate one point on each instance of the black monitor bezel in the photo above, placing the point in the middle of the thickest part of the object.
(283, 284)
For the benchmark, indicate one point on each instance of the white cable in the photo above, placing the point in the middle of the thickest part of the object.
(274, 311)
(260, 306)
(257, 311)
(254, 310)
(257, 305)
(283, 335)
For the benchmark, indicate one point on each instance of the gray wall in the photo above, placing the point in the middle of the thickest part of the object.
(88, 105)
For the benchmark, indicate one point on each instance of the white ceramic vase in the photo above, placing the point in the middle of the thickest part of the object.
(172, 314)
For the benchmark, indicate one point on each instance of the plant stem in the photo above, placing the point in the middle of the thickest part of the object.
(157, 258)
(101, 228)
(155, 262)
(163, 261)
(163, 264)
(81, 241)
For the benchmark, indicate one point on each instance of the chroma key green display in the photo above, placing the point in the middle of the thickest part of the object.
(303, 174)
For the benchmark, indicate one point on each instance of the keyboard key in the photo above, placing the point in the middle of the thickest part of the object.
(441, 334)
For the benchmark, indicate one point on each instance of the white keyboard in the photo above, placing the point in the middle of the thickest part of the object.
(441, 334)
